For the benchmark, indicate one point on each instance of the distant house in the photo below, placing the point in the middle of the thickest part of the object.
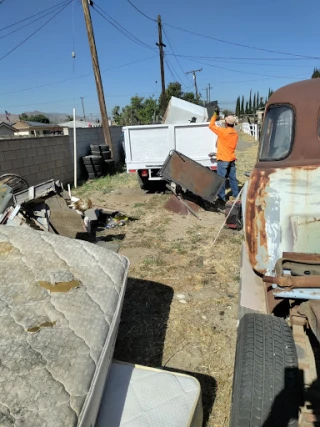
(79, 124)
(6, 130)
(26, 128)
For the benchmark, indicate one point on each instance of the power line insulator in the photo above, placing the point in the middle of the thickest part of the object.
(73, 54)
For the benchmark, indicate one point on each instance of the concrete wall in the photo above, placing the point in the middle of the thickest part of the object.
(37, 159)
(47, 157)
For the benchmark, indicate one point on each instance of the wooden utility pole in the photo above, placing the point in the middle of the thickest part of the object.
(84, 114)
(193, 72)
(97, 75)
(163, 84)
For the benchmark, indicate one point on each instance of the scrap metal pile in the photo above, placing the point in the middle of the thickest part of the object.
(48, 207)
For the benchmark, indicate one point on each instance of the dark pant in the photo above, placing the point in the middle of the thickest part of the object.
(228, 170)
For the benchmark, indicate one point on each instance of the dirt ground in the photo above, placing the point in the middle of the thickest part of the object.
(180, 308)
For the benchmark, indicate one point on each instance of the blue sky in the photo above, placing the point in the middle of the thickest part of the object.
(45, 59)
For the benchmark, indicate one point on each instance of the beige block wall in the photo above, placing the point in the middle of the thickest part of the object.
(51, 157)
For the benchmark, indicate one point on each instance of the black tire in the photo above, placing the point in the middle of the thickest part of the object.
(266, 387)
(92, 160)
(94, 147)
(104, 154)
(93, 168)
(109, 167)
(144, 183)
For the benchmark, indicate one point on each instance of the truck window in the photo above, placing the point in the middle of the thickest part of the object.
(277, 133)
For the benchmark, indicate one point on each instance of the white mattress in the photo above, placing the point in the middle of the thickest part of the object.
(54, 377)
(137, 396)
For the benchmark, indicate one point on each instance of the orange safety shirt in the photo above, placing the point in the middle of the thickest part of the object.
(227, 141)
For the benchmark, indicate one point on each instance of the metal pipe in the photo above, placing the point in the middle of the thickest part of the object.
(293, 282)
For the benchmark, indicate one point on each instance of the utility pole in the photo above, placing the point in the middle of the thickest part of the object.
(97, 75)
(206, 100)
(193, 72)
(161, 52)
(84, 114)
(209, 91)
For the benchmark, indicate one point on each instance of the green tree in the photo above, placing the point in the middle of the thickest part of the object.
(242, 106)
(69, 118)
(238, 107)
(250, 103)
(247, 108)
(173, 89)
(269, 94)
(227, 112)
(261, 102)
(316, 73)
(40, 118)
(190, 97)
(254, 108)
(139, 111)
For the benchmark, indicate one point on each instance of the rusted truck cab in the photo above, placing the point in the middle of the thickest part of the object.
(279, 301)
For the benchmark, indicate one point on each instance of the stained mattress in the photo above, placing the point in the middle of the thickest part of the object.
(60, 304)
(138, 396)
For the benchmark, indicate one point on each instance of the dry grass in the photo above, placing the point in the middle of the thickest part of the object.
(246, 162)
(180, 310)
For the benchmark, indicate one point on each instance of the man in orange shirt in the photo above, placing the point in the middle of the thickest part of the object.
(226, 145)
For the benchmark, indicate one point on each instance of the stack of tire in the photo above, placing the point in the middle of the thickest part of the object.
(99, 163)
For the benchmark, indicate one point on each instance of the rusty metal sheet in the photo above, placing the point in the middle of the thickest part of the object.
(192, 176)
(281, 214)
(176, 206)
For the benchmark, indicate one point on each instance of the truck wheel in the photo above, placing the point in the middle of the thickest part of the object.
(266, 384)
(144, 183)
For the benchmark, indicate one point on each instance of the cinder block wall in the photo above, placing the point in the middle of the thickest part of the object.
(51, 157)
(37, 159)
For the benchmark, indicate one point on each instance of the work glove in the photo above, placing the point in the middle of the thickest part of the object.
(217, 111)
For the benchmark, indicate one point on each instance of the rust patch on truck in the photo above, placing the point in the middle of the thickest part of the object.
(256, 235)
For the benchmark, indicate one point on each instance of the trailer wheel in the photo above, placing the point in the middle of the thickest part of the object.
(266, 378)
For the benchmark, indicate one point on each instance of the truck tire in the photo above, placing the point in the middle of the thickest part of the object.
(104, 154)
(99, 148)
(266, 387)
(144, 183)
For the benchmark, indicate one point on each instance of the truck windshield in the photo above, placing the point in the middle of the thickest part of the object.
(277, 133)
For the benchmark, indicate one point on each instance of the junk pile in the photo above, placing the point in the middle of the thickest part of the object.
(99, 163)
(48, 207)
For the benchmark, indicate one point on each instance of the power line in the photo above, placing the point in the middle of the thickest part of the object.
(242, 72)
(227, 61)
(183, 72)
(36, 31)
(246, 58)
(32, 16)
(77, 77)
(29, 23)
(226, 41)
(138, 10)
(171, 70)
(120, 28)
(239, 44)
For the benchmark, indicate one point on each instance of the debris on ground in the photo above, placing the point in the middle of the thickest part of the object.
(49, 208)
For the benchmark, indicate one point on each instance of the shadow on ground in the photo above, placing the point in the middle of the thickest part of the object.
(142, 332)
